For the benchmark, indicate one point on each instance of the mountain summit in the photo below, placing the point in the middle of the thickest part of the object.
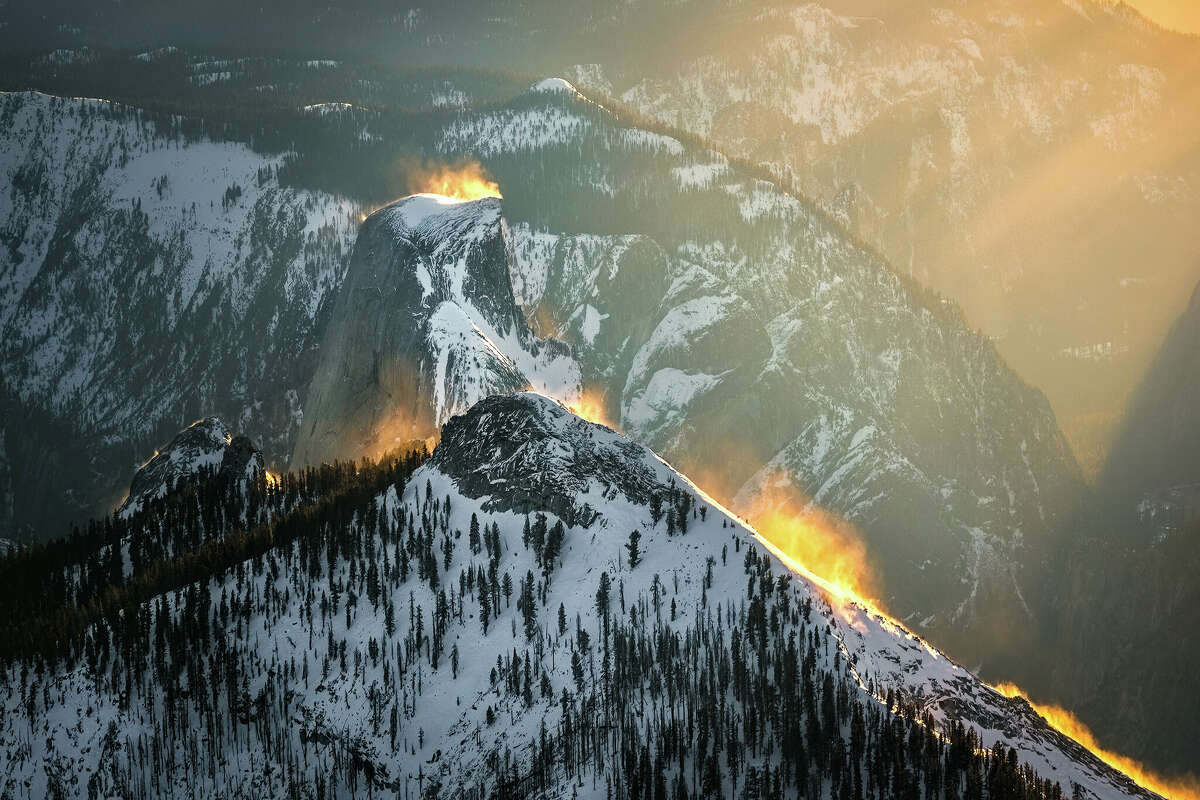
(424, 326)
(205, 445)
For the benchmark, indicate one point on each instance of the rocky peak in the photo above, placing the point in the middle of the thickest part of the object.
(206, 445)
(526, 451)
(425, 325)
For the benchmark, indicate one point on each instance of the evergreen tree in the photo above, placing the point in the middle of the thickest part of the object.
(635, 555)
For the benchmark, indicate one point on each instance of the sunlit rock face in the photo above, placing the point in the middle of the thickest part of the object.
(424, 327)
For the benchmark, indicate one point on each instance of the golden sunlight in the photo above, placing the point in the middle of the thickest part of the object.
(1069, 725)
(821, 543)
(830, 552)
(1179, 15)
(462, 182)
(590, 406)
(402, 431)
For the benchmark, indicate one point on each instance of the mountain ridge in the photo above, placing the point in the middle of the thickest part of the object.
(874, 672)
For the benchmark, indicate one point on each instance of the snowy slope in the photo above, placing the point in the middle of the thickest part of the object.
(374, 673)
(146, 278)
(525, 453)
(205, 446)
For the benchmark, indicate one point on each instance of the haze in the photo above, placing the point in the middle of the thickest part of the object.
(1180, 15)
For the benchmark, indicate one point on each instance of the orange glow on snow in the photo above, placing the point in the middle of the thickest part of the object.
(587, 405)
(1068, 724)
(401, 430)
(462, 182)
(829, 552)
(590, 406)
(820, 543)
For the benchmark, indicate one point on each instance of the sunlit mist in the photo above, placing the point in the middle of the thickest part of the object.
(1068, 724)
(400, 430)
(464, 182)
(590, 406)
(1180, 15)
(818, 541)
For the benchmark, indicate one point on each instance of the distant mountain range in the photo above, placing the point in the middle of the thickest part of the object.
(1032, 160)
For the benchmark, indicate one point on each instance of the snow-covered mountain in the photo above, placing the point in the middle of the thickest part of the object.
(149, 275)
(960, 139)
(490, 622)
(424, 326)
(715, 316)
(204, 447)
(736, 329)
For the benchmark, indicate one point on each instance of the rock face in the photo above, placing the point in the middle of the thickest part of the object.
(205, 446)
(425, 326)
(545, 457)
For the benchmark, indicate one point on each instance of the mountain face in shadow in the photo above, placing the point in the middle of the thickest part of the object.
(1156, 455)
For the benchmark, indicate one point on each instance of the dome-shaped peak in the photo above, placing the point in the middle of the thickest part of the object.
(554, 85)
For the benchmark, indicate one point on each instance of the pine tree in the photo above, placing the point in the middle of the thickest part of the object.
(602, 596)
(485, 610)
(635, 556)
(528, 606)
(473, 536)
(577, 670)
